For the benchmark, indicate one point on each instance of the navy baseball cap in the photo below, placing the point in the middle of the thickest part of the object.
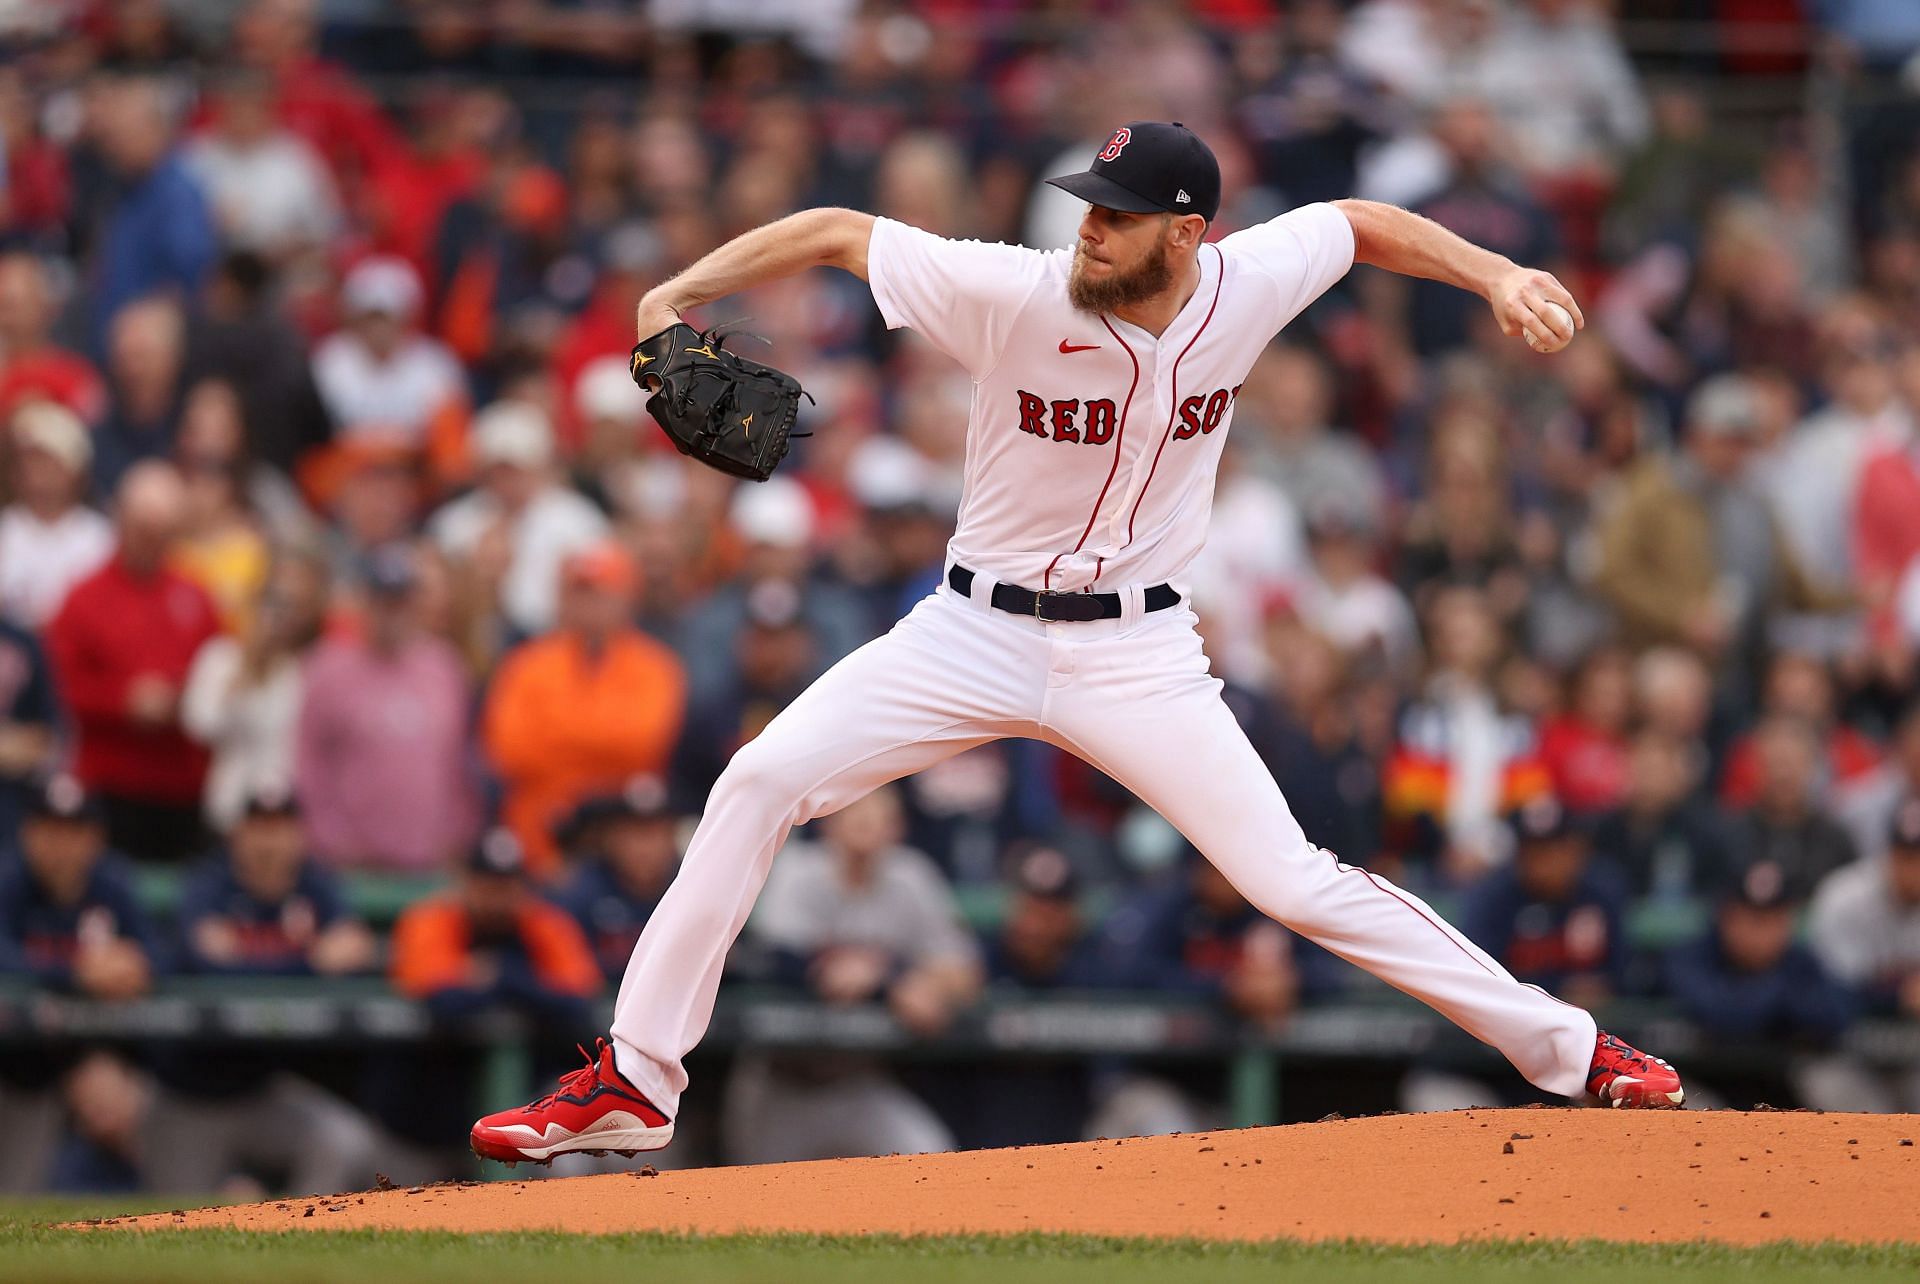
(1543, 820)
(642, 797)
(1764, 885)
(63, 797)
(498, 853)
(1150, 166)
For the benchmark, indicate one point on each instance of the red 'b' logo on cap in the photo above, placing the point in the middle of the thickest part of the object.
(1116, 144)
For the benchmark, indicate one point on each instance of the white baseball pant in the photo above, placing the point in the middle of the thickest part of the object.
(1132, 696)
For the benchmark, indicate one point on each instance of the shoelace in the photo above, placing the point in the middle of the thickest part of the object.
(1632, 1057)
(579, 1082)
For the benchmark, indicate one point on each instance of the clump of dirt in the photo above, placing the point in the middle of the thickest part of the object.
(1503, 1174)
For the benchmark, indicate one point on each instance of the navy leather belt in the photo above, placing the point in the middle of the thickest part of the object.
(1054, 607)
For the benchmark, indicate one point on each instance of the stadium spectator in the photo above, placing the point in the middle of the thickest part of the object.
(146, 347)
(30, 719)
(1284, 417)
(243, 694)
(1814, 478)
(609, 466)
(269, 190)
(1867, 807)
(239, 335)
(261, 909)
(372, 501)
(1481, 199)
(1043, 946)
(1673, 694)
(37, 169)
(1316, 746)
(621, 850)
(1192, 934)
(121, 646)
(1461, 760)
(222, 546)
(775, 655)
(106, 1102)
(49, 538)
(1555, 915)
(378, 375)
(1564, 87)
(1306, 112)
(521, 507)
(1666, 836)
(1691, 554)
(1344, 599)
(777, 523)
(68, 918)
(1801, 686)
(380, 754)
(1865, 926)
(491, 942)
(1748, 981)
(32, 366)
(1585, 747)
(855, 918)
(584, 707)
(1787, 826)
(159, 236)
(899, 550)
(1462, 533)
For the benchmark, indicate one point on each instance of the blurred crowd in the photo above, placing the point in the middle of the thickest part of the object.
(337, 545)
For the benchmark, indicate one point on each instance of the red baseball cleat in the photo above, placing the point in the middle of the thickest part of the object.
(1624, 1076)
(595, 1111)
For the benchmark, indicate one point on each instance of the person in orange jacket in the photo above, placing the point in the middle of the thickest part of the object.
(583, 708)
(495, 942)
(490, 943)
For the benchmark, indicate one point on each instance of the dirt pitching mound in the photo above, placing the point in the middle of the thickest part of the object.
(1507, 1174)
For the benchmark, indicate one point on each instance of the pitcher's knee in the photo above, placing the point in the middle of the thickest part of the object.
(761, 777)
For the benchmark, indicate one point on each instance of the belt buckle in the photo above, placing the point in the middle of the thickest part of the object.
(1053, 594)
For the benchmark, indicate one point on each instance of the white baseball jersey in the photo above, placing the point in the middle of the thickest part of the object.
(1092, 446)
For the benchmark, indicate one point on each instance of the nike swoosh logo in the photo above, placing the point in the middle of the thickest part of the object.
(1077, 347)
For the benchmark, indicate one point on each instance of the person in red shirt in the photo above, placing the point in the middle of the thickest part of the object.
(1886, 507)
(120, 647)
(1800, 686)
(1585, 747)
(31, 367)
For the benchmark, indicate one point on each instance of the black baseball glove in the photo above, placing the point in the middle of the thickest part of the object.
(719, 407)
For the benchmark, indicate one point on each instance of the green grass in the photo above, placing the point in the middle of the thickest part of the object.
(31, 1251)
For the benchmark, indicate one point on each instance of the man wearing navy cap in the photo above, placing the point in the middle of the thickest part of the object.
(622, 847)
(1748, 983)
(262, 908)
(68, 921)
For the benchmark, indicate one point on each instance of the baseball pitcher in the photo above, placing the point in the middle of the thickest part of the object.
(1104, 379)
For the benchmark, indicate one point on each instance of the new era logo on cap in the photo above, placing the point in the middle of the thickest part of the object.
(1183, 198)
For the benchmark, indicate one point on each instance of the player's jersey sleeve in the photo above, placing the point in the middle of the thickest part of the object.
(1302, 252)
(963, 296)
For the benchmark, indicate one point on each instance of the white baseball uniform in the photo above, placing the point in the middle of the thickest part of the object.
(1091, 454)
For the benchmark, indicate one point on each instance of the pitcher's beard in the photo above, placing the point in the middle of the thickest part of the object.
(1119, 290)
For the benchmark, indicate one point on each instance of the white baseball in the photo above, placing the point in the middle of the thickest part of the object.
(1547, 341)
